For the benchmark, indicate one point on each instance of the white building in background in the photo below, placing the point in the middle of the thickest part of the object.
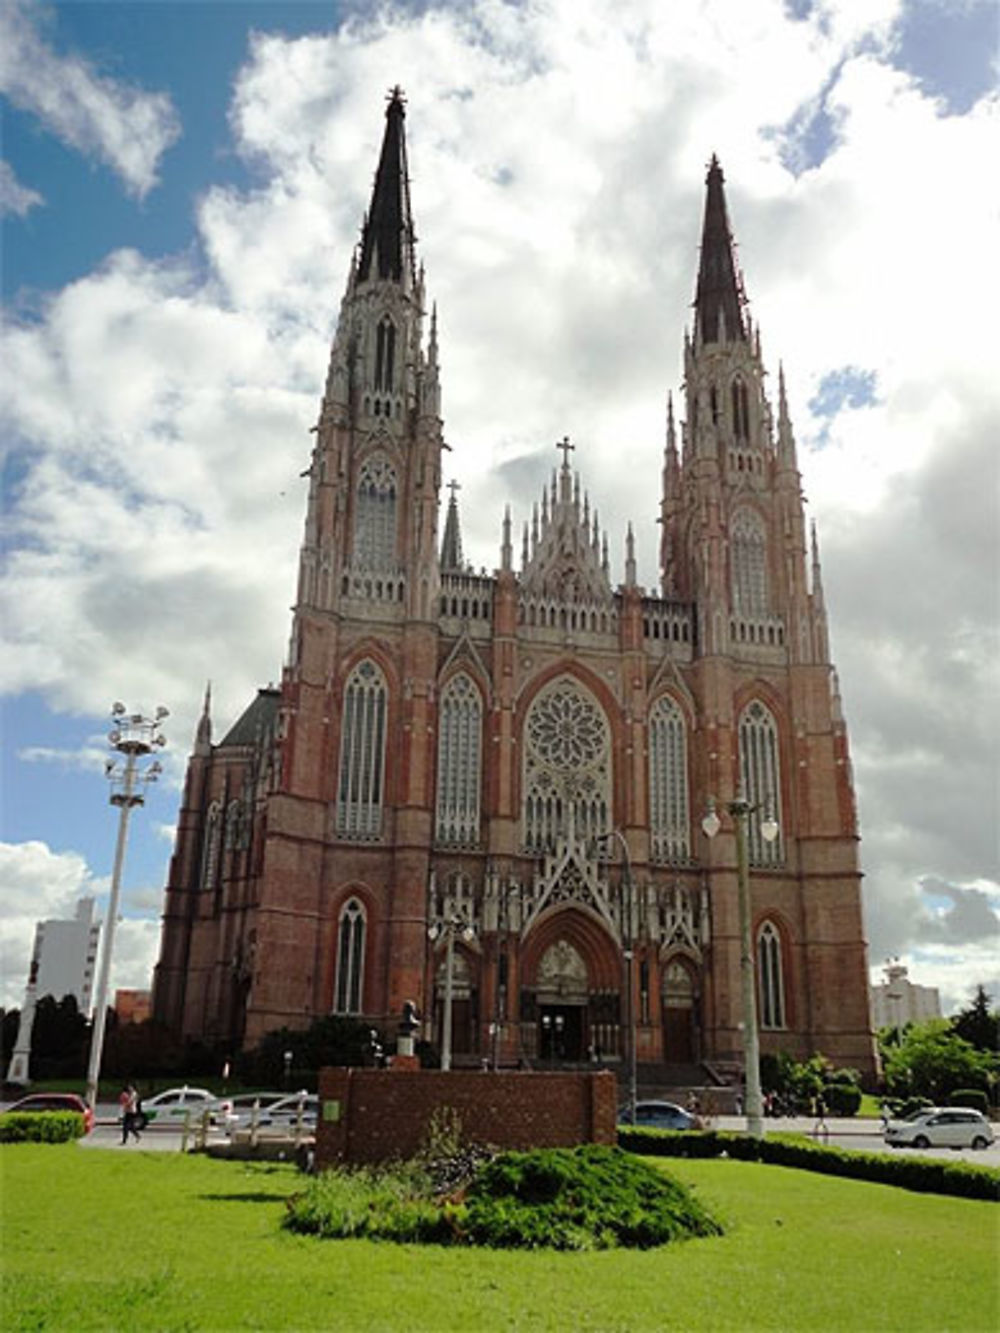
(898, 1000)
(62, 963)
(66, 952)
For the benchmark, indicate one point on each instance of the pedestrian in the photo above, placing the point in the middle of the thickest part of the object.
(739, 1103)
(820, 1129)
(128, 1100)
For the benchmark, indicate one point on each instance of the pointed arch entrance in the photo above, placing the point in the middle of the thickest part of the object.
(570, 988)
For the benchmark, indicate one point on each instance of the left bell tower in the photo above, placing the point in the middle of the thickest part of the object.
(374, 476)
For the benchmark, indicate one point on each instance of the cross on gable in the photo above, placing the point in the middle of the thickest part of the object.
(565, 446)
(454, 487)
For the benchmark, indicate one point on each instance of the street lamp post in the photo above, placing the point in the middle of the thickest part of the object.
(135, 737)
(740, 810)
(448, 926)
(628, 952)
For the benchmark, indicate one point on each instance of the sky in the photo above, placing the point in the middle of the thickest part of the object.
(181, 188)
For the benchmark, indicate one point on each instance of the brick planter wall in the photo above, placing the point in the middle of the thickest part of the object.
(375, 1115)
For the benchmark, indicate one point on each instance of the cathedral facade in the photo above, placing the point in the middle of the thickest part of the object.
(492, 786)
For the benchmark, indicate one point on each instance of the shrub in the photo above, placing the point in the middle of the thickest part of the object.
(921, 1174)
(561, 1198)
(37, 1127)
(579, 1198)
(842, 1098)
(972, 1097)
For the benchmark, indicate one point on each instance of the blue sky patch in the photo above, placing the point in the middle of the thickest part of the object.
(950, 49)
(850, 386)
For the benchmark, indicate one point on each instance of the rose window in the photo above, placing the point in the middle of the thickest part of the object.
(567, 767)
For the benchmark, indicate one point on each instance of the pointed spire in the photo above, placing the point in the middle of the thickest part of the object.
(506, 551)
(432, 345)
(387, 236)
(630, 558)
(817, 578)
(719, 296)
(524, 547)
(203, 734)
(451, 544)
(786, 437)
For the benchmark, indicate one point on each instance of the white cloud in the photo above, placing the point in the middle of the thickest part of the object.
(39, 884)
(557, 158)
(16, 200)
(124, 127)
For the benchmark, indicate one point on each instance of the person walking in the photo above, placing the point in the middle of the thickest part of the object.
(128, 1100)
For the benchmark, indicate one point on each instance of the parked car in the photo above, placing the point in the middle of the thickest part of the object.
(237, 1112)
(940, 1127)
(283, 1116)
(55, 1101)
(171, 1107)
(660, 1115)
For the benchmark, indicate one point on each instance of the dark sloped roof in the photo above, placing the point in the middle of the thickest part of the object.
(255, 720)
(388, 228)
(719, 285)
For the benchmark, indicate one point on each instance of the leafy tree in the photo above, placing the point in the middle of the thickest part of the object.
(931, 1061)
(979, 1024)
(10, 1021)
(58, 1038)
(331, 1040)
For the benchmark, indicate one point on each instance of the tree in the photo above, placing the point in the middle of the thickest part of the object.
(931, 1061)
(979, 1024)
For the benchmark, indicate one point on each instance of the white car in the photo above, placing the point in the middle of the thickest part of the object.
(284, 1115)
(940, 1127)
(174, 1105)
(237, 1112)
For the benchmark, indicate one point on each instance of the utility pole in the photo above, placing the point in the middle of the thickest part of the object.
(135, 737)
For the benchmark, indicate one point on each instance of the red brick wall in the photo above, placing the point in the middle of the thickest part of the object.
(385, 1114)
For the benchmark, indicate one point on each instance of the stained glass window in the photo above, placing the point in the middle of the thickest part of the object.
(760, 775)
(459, 762)
(362, 754)
(770, 983)
(350, 959)
(748, 553)
(669, 823)
(567, 766)
(375, 516)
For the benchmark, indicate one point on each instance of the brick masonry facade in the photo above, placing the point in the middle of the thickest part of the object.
(445, 746)
(368, 1116)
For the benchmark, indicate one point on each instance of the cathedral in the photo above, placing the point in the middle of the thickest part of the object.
(490, 788)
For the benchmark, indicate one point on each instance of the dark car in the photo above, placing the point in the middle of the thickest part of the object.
(55, 1101)
(660, 1115)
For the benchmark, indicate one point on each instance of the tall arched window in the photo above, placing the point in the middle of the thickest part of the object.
(362, 754)
(567, 766)
(760, 779)
(385, 351)
(350, 959)
(741, 410)
(375, 516)
(770, 981)
(210, 846)
(748, 559)
(669, 824)
(460, 725)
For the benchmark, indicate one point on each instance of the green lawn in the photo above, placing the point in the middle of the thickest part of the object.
(97, 1239)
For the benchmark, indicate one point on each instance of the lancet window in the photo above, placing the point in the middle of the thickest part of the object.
(385, 351)
(567, 767)
(210, 846)
(375, 516)
(748, 548)
(362, 754)
(669, 822)
(741, 410)
(770, 981)
(350, 959)
(760, 775)
(459, 762)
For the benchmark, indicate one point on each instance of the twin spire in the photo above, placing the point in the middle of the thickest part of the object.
(387, 236)
(719, 297)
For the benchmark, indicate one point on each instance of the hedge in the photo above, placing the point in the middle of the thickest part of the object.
(35, 1127)
(974, 1098)
(921, 1174)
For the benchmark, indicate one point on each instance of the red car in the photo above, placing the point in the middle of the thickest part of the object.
(56, 1101)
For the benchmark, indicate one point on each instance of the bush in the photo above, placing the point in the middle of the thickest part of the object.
(842, 1098)
(921, 1174)
(560, 1198)
(37, 1127)
(972, 1097)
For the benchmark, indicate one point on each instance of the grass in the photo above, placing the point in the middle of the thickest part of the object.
(104, 1240)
